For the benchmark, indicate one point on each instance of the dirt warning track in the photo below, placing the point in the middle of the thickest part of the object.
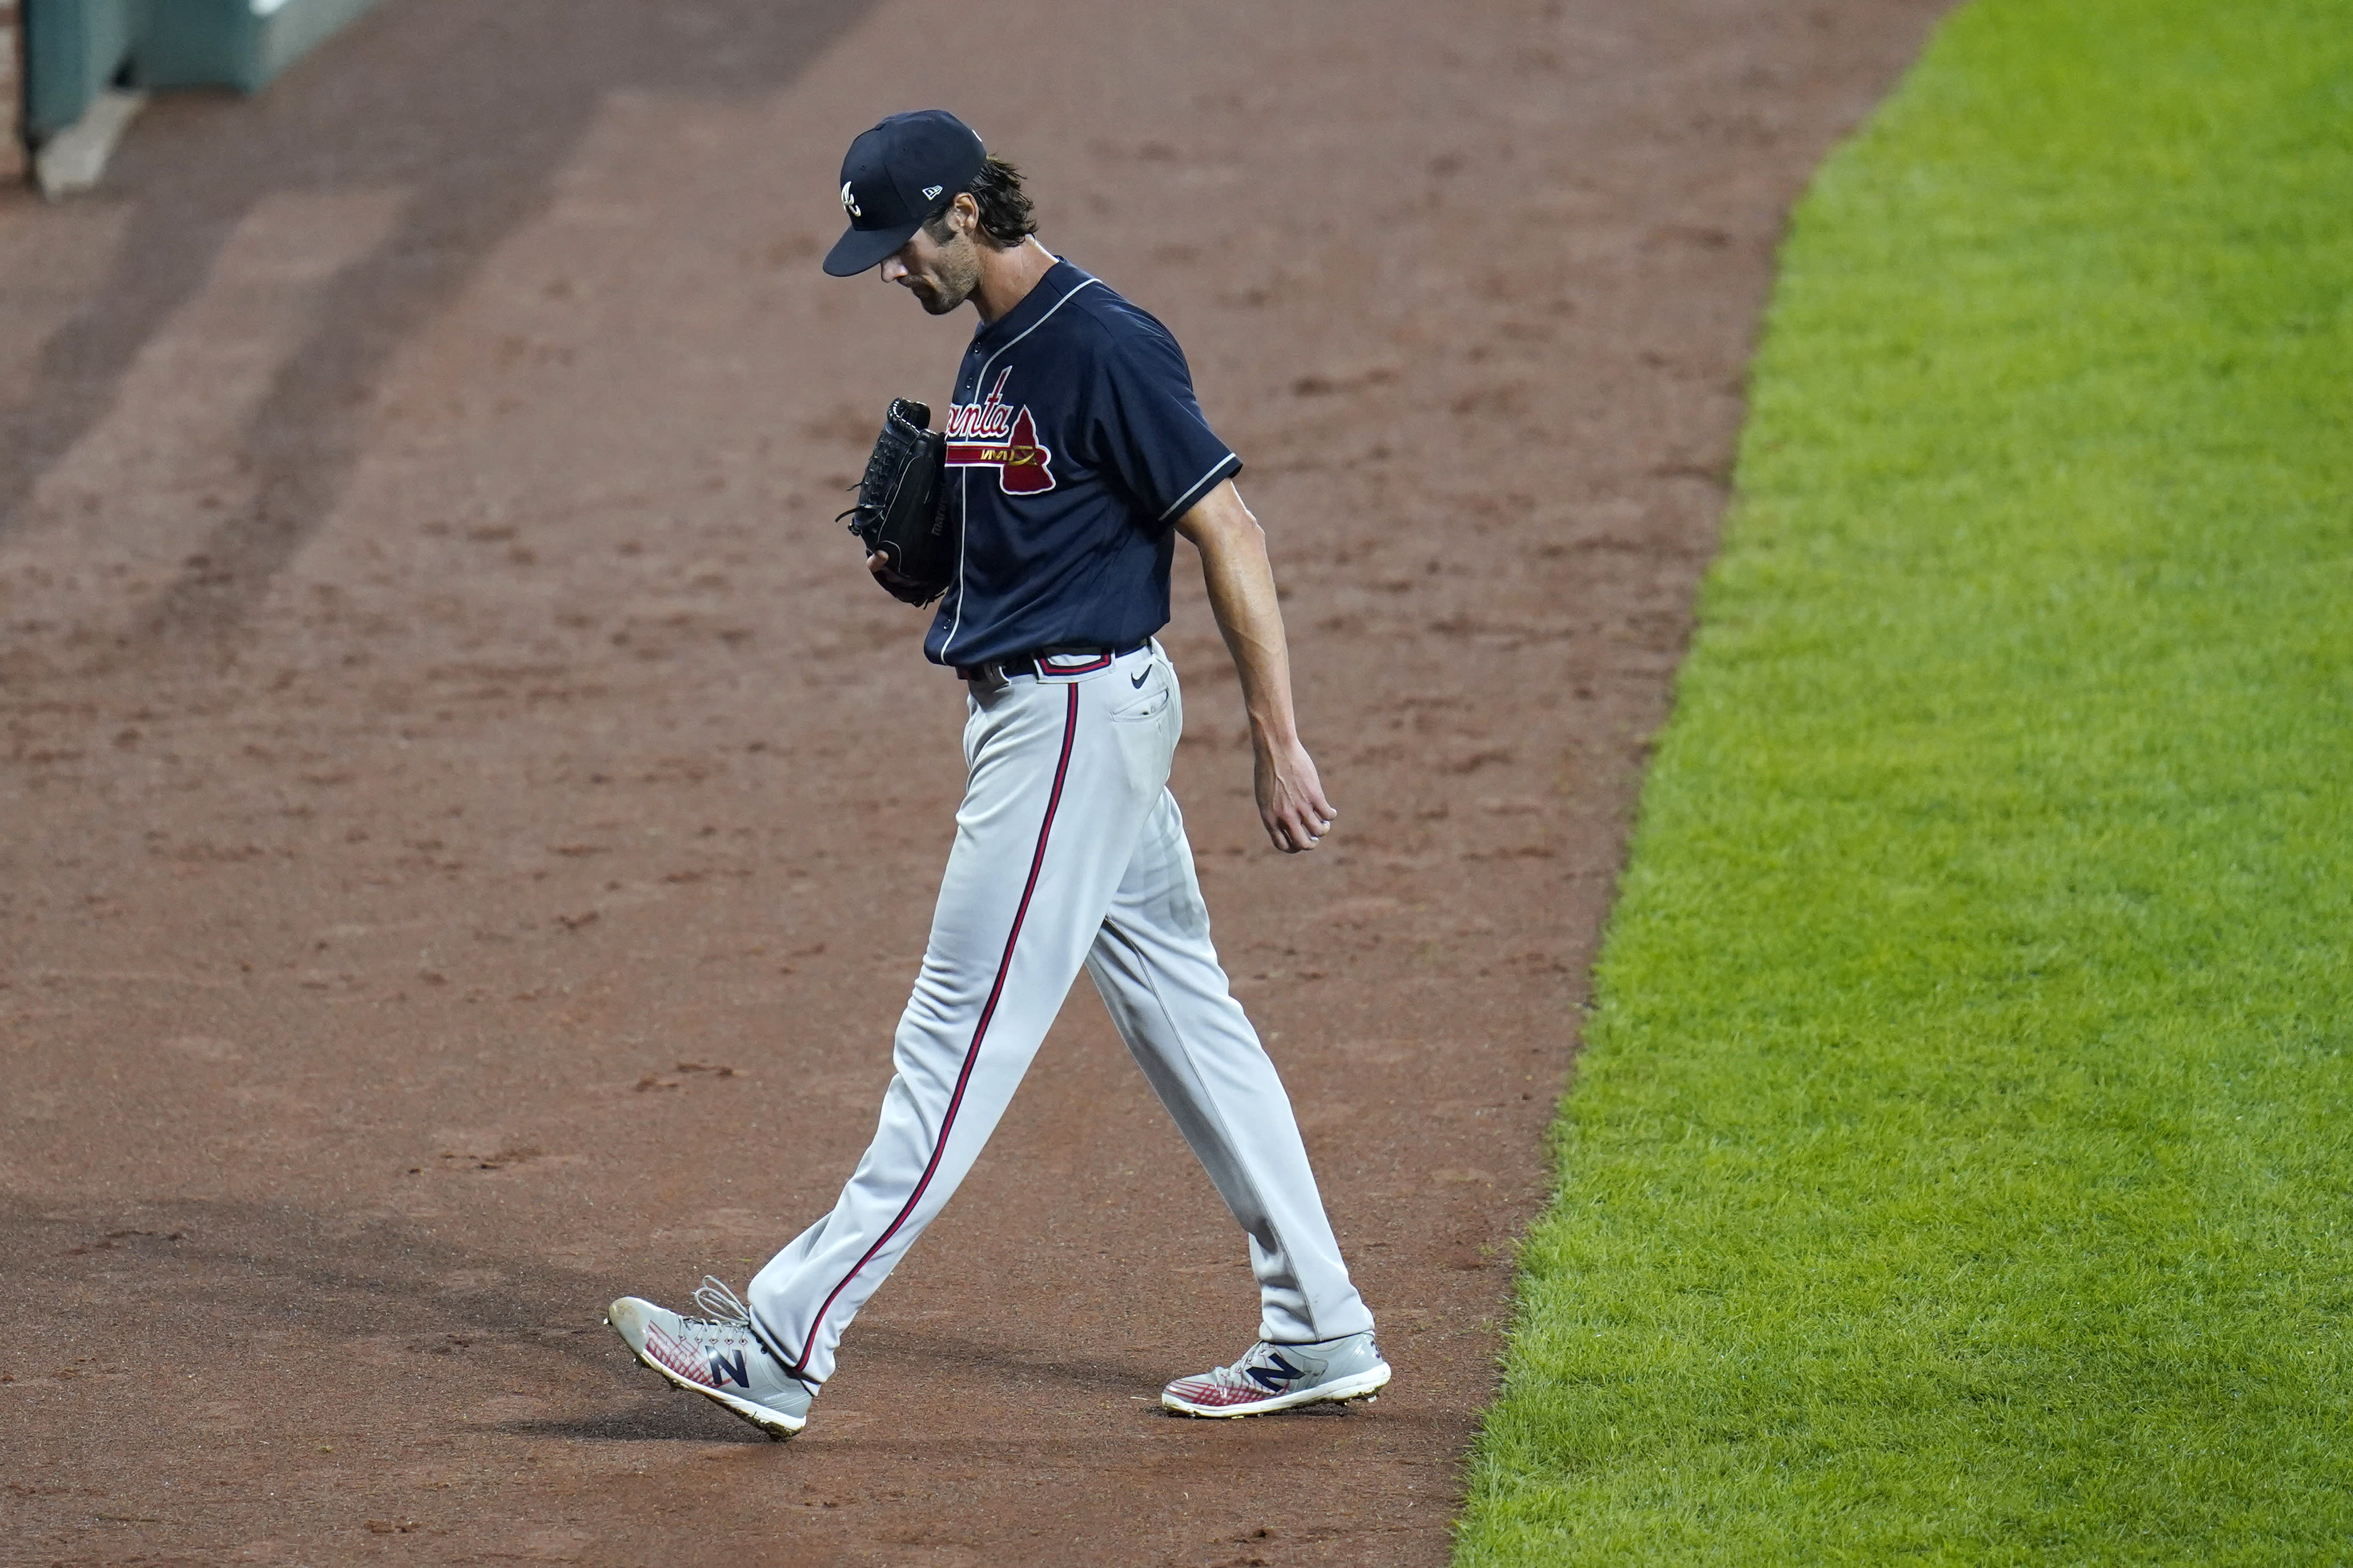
(469, 827)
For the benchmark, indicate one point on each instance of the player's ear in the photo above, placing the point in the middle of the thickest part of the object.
(965, 213)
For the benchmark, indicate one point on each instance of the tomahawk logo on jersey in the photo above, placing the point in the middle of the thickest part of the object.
(1074, 442)
(990, 435)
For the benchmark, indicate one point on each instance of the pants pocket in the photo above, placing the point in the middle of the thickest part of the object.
(1145, 705)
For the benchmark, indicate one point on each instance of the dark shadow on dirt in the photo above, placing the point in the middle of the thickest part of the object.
(274, 1265)
(470, 106)
(684, 1419)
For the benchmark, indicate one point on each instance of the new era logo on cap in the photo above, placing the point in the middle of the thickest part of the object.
(892, 179)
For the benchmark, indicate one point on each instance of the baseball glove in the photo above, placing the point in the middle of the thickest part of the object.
(902, 513)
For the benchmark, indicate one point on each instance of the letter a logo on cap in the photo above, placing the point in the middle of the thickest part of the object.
(930, 151)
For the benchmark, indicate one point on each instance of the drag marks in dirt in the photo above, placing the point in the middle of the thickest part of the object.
(109, 528)
(46, 266)
(198, 166)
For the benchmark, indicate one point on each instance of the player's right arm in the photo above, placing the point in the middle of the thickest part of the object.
(1240, 579)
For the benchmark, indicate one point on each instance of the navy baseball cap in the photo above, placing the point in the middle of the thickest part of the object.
(894, 176)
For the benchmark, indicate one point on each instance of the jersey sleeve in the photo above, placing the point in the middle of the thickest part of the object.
(1145, 428)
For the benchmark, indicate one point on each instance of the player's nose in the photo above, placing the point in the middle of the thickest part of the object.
(893, 269)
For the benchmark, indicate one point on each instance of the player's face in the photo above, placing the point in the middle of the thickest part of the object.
(940, 277)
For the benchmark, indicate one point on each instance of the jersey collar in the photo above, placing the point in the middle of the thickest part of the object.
(1049, 291)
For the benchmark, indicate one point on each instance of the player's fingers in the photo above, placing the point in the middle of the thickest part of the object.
(1313, 807)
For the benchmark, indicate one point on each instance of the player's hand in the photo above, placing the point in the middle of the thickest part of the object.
(1290, 797)
(893, 584)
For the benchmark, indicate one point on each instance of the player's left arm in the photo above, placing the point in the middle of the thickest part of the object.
(1241, 578)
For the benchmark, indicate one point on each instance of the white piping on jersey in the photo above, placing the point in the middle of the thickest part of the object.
(1179, 503)
(964, 478)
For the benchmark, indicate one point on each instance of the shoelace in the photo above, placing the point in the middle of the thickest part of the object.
(722, 1304)
(729, 1323)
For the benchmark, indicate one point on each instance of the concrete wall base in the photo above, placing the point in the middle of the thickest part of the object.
(74, 158)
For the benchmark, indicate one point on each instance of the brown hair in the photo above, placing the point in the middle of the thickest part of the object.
(1005, 217)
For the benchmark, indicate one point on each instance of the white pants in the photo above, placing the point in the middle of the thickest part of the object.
(1069, 850)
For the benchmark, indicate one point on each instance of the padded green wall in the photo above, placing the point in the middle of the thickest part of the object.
(76, 48)
(73, 51)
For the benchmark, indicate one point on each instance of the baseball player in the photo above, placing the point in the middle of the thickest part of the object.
(1075, 454)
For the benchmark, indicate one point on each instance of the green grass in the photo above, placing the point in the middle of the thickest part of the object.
(1960, 1167)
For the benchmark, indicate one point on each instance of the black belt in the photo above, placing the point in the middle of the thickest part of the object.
(1035, 663)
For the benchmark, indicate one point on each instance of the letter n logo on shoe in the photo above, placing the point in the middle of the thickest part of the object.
(721, 1368)
(1274, 1377)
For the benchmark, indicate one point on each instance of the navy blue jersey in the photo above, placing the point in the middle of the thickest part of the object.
(1074, 443)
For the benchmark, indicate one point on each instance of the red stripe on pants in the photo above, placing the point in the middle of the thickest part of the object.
(979, 1033)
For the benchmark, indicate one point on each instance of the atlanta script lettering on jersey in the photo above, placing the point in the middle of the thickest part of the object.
(991, 434)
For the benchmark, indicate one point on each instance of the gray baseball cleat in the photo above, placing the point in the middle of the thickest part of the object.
(718, 1357)
(1277, 1377)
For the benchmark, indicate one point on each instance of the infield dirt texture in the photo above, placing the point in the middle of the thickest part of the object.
(466, 826)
